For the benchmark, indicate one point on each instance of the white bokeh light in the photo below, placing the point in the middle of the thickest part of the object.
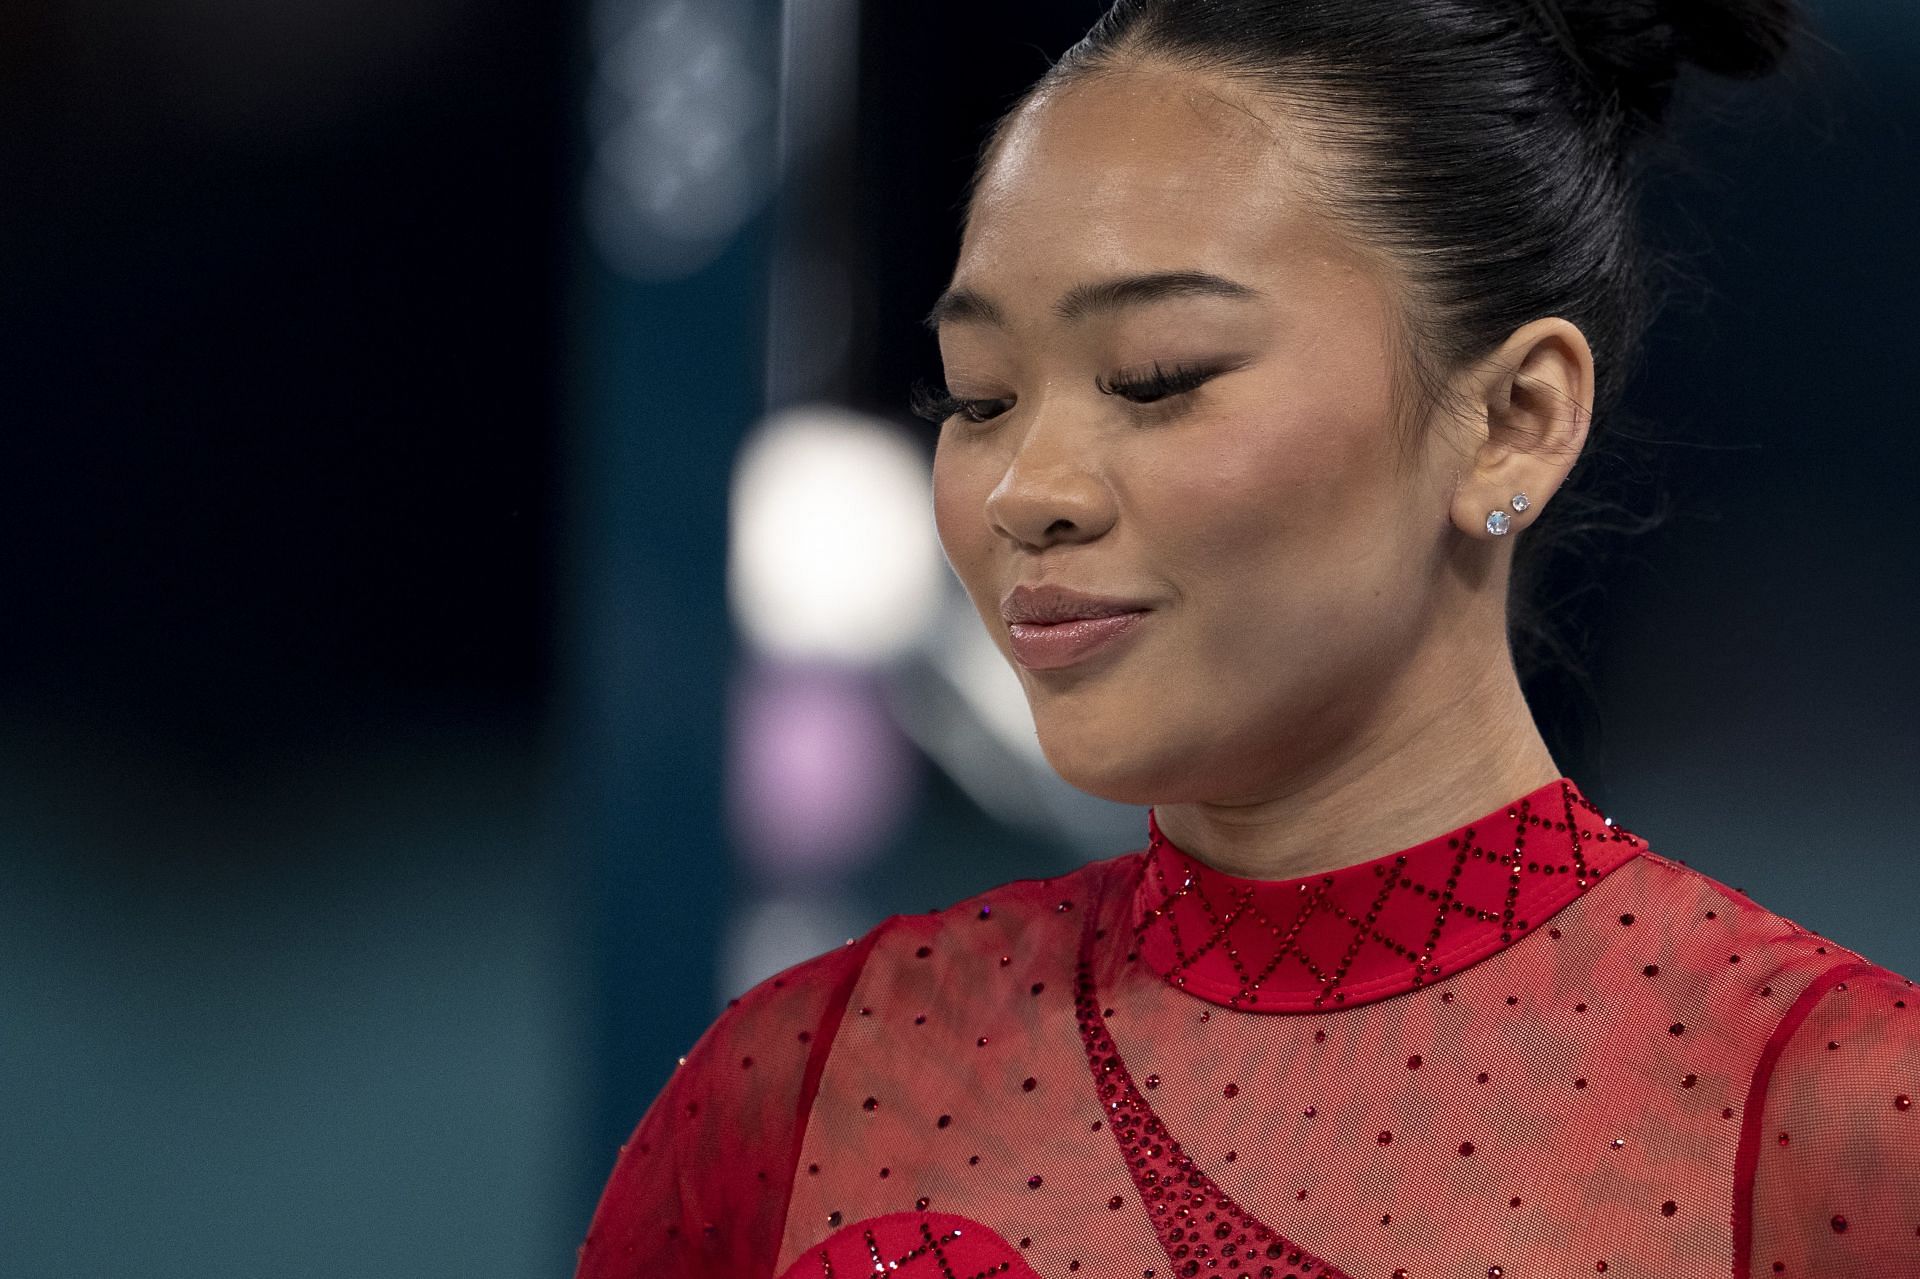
(832, 553)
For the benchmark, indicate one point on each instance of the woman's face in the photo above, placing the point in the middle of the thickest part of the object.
(1297, 574)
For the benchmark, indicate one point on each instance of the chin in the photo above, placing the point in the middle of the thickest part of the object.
(1094, 765)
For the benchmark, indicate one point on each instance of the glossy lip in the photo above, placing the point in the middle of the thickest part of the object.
(1046, 647)
(1048, 604)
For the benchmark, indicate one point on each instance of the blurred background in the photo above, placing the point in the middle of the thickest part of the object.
(472, 605)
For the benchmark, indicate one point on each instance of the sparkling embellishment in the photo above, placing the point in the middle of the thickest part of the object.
(1374, 929)
(1180, 1200)
(1498, 522)
(1177, 1193)
(1519, 502)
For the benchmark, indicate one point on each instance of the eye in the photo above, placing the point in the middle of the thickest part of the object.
(935, 405)
(1159, 384)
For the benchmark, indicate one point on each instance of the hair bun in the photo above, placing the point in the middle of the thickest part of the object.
(1636, 47)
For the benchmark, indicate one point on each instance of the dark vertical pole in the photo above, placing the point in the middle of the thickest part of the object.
(667, 377)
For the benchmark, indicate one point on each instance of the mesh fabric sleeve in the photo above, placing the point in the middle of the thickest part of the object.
(1831, 1152)
(701, 1188)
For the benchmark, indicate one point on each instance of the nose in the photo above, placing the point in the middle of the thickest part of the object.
(1055, 487)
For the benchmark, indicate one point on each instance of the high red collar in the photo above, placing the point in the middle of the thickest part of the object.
(1378, 928)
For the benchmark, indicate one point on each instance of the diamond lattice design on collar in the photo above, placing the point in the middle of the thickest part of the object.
(1378, 928)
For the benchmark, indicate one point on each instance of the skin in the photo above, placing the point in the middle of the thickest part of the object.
(1324, 676)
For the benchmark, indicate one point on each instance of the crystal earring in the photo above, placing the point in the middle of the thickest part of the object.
(1498, 522)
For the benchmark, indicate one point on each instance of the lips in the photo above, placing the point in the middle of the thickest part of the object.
(1047, 604)
(1050, 646)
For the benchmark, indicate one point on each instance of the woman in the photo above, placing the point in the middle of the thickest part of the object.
(1275, 324)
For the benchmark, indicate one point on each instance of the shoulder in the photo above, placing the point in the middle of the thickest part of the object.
(701, 1186)
(1829, 1167)
(1026, 928)
(1703, 914)
(800, 1006)
(1846, 1054)
(1015, 923)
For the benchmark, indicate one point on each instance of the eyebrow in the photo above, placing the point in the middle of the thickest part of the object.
(960, 305)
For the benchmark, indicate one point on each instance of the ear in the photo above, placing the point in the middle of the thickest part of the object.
(1530, 406)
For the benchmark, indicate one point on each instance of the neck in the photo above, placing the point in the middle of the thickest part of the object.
(1423, 767)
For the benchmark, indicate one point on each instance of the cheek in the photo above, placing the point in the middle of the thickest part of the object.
(1275, 493)
(959, 511)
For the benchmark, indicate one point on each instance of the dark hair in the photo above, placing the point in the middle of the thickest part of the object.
(1489, 147)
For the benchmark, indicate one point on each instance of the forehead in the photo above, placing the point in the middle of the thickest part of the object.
(1148, 169)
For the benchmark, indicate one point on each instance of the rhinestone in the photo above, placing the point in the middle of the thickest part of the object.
(1498, 522)
(1519, 502)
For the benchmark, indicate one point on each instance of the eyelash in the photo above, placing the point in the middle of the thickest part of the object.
(936, 405)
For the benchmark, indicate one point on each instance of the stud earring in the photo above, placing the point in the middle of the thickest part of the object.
(1498, 521)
